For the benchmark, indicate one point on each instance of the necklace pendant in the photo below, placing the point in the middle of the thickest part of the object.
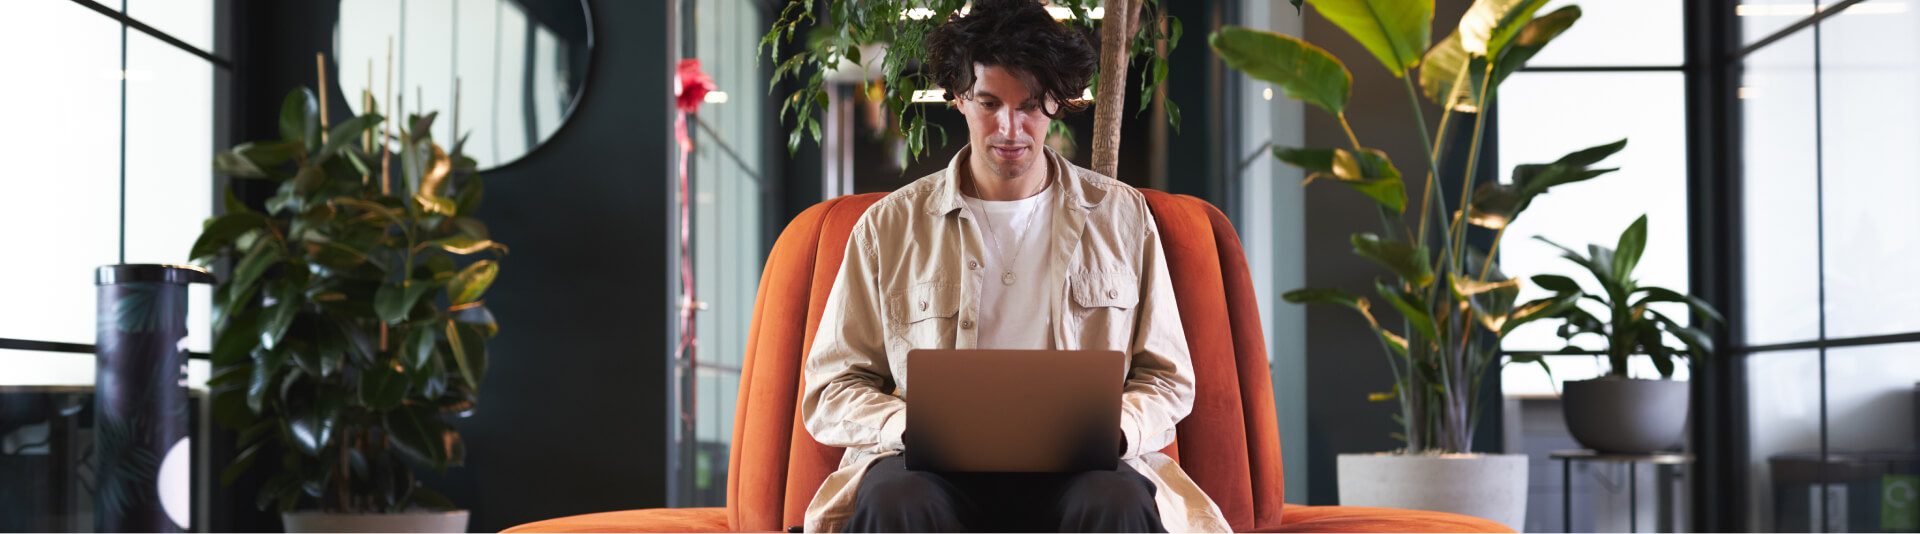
(1006, 278)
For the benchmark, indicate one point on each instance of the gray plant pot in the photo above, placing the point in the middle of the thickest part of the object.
(1625, 415)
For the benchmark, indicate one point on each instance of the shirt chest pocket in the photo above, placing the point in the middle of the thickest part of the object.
(924, 314)
(1102, 308)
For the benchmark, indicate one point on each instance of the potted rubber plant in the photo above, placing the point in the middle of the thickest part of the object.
(1453, 303)
(350, 327)
(1617, 413)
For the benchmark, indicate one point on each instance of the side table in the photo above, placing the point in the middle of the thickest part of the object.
(1568, 457)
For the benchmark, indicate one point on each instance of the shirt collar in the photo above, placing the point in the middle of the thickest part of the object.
(1065, 176)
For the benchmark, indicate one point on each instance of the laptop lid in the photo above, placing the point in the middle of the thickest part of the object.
(1013, 411)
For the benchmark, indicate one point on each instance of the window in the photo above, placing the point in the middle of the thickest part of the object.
(730, 234)
(1589, 88)
(113, 128)
(1831, 329)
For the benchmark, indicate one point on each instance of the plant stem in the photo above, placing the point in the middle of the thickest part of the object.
(1428, 142)
(1473, 161)
(1349, 128)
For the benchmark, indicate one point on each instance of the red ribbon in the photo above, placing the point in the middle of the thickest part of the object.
(689, 91)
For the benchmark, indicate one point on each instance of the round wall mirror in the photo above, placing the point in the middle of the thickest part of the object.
(506, 73)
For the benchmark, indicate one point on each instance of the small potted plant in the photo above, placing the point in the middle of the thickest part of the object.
(1617, 413)
(350, 326)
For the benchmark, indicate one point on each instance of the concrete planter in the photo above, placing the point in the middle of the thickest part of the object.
(1489, 486)
(1626, 416)
(301, 522)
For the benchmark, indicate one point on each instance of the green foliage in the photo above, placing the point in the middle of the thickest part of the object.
(840, 34)
(1632, 325)
(1454, 304)
(347, 330)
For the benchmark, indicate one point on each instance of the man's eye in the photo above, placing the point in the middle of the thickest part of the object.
(990, 105)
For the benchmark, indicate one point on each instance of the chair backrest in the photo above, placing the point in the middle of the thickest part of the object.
(1229, 445)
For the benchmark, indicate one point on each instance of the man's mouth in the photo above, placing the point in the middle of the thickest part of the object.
(1010, 152)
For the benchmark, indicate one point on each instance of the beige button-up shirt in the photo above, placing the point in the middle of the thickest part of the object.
(911, 280)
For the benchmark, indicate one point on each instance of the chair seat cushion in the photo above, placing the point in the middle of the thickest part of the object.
(647, 520)
(1300, 518)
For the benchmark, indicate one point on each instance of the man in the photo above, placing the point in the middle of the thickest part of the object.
(1010, 247)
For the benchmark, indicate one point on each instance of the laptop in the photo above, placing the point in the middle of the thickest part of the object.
(1014, 411)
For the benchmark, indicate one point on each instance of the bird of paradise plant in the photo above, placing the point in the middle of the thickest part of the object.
(1454, 304)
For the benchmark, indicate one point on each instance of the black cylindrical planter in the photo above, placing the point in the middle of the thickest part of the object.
(143, 466)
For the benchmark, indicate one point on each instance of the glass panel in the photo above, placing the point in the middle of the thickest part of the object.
(1873, 473)
(1869, 168)
(190, 21)
(1656, 26)
(1544, 116)
(169, 167)
(1783, 419)
(1778, 144)
(1762, 18)
(729, 230)
(60, 206)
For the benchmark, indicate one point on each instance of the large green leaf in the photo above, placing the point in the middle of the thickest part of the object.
(1303, 71)
(1556, 283)
(300, 117)
(1451, 77)
(469, 351)
(1626, 255)
(1488, 25)
(382, 388)
(266, 368)
(416, 350)
(223, 230)
(346, 134)
(1409, 262)
(276, 319)
(419, 432)
(1495, 205)
(392, 303)
(1369, 172)
(1661, 294)
(1395, 31)
(1537, 178)
(1411, 307)
(311, 431)
(472, 282)
(1533, 37)
(263, 255)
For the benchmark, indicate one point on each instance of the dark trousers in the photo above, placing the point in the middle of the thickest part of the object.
(893, 499)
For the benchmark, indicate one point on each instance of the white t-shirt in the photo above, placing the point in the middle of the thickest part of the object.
(1015, 235)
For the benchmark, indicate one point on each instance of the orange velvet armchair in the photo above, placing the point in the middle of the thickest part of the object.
(1230, 444)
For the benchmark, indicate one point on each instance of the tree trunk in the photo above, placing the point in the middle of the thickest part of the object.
(1116, 31)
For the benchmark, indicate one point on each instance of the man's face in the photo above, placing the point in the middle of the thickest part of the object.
(1006, 123)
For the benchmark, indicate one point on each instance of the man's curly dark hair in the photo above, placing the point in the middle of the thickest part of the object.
(1018, 35)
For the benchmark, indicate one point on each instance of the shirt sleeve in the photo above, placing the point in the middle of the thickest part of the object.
(1159, 389)
(848, 400)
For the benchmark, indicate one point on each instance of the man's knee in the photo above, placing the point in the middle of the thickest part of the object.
(905, 489)
(1107, 489)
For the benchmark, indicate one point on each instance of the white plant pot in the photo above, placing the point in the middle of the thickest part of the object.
(1488, 486)
(302, 522)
